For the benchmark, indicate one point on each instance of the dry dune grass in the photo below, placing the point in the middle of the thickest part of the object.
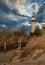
(33, 51)
(11, 37)
(37, 42)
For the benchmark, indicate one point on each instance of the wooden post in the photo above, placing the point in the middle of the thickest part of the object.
(5, 46)
(19, 45)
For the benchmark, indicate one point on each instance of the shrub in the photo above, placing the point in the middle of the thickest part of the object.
(38, 31)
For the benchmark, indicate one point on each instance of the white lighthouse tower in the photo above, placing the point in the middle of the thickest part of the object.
(33, 24)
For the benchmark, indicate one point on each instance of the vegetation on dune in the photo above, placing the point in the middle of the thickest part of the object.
(14, 36)
(38, 31)
(11, 36)
(32, 46)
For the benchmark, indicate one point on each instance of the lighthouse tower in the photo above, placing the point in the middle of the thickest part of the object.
(33, 24)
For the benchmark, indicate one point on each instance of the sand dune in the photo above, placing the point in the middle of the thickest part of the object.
(33, 53)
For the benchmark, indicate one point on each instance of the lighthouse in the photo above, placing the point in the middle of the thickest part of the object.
(33, 24)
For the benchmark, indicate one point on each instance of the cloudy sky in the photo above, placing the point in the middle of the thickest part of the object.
(17, 11)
